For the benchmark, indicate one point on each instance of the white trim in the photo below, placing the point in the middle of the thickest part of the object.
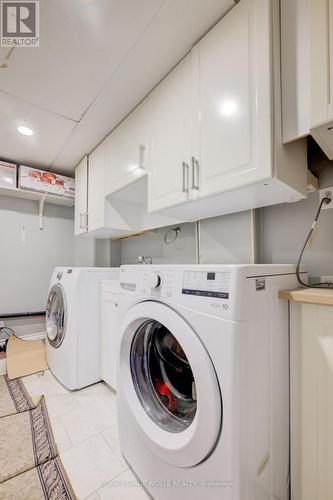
(254, 237)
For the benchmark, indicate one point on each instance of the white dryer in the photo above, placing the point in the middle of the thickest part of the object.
(203, 380)
(73, 324)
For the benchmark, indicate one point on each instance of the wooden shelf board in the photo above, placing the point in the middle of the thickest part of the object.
(36, 195)
(309, 295)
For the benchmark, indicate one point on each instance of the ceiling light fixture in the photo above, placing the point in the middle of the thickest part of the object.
(25, 131)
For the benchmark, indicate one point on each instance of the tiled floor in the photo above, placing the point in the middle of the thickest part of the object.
(85, 428)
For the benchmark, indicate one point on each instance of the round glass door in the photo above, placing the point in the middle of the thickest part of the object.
(56, 316)
(168, 383)
(163, 377)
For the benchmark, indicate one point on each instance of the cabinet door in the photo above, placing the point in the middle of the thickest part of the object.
(81, 197)
(170, 150)
(126, 150)
(232, 137)
(96, 196)
(311, 358)
(109, 338)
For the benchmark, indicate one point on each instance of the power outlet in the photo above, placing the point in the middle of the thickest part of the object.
(328, 191)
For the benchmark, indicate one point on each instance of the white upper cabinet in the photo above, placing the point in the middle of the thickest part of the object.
(170, 106)
(307, 71)
(212, 120)
(217, 145)
(232, 80)
(208, 140)
(96, 188)
(117, 194)
(81, 197)
(126, 150)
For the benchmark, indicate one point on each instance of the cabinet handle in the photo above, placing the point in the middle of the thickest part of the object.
(84, 225)
(195, 174)
(81, 220)
(142, 151)
(185, 170)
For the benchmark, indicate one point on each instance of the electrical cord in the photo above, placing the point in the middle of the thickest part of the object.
(7, 329)
(3, 341)
(325, 201)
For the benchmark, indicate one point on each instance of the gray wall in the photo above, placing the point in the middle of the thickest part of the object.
(226, 240)
(283, 230)
(25, 268)
(90, 252)
(182, 251)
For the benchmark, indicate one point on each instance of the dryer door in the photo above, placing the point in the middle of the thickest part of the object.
(170, 384)
(56, 316)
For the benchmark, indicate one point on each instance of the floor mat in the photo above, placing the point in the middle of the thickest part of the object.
(26, 441)
(25, 357)
(14, 397)
(48, 480)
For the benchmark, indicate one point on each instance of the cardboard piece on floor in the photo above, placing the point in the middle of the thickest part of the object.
(25, 357)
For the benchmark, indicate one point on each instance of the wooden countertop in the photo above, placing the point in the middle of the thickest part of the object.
(309, 295)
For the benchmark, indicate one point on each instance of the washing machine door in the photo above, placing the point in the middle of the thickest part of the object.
(170, 384)
(56, 316)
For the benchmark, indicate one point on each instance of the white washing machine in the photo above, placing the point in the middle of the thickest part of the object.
(203, 380)
(73, 324)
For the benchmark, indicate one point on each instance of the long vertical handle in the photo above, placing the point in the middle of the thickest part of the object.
(185, 171)
(142, 150)
(195, 174)
(81, 220)
(82, 225)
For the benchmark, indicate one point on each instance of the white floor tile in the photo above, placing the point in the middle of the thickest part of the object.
(112, 437)
(60, 404)
(123, 487)
(84, 424)
(95, 392)
(43, 384)
(88, 420)
(89, 464)
(94, 496)
(61, 437)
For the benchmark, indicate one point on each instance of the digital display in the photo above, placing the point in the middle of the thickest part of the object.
(204, 283)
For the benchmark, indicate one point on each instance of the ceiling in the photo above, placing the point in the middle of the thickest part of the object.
(96, 61)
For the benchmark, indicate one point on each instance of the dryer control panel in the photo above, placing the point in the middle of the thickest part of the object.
(206, 284)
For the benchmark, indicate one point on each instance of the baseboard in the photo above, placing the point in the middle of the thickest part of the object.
(33, 336)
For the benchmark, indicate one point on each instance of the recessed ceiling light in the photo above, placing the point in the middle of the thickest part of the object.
(25, 130)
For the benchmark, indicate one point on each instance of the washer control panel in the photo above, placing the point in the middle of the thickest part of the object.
(206, 284)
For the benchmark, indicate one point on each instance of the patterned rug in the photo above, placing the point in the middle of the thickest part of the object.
(13, 397)
(26, 440)
(30, 468)
(47, 481)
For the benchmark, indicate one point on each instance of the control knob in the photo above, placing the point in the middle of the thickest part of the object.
(153, 280)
